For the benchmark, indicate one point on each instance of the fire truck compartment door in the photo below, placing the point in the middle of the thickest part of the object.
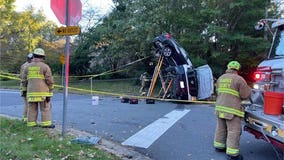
(205, 81)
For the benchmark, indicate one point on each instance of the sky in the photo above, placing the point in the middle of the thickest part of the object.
(103, 6)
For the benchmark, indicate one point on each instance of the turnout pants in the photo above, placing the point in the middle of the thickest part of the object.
(33, 113)
(227, 135)
(25, 112)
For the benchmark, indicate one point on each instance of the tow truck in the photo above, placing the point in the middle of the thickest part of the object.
(264, 115)
(179, 78)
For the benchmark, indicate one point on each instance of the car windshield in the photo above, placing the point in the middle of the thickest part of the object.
(278, 46)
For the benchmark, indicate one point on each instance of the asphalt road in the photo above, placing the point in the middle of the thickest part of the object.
(162, 131)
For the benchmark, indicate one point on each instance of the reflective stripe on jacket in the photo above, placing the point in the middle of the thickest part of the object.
(39, 81)
(231, 90)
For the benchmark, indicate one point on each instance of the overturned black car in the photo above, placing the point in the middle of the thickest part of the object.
(186, 81)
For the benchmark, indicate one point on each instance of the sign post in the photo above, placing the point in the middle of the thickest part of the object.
(68, 12)
(62, 61)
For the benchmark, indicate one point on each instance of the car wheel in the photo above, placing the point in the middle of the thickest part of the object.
(167, 51)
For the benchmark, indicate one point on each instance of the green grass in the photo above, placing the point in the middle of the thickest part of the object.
(9, 84)
(127, 87)
(111, 86)
(18, 141)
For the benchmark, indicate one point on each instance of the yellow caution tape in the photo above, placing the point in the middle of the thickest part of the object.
(113, 71)
(10, 77)
(11, 74)
(118, 94)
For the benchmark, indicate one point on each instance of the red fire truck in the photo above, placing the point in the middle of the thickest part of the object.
(265, 115)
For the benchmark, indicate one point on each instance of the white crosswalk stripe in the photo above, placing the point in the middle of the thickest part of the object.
(148, 135)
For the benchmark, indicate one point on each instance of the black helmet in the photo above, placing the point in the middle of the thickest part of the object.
(30, 56)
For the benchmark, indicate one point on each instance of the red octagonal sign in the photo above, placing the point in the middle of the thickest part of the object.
(75, 11)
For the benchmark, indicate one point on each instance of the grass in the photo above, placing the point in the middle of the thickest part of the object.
(117, 86)
(10, 84)
(18, 141)
(111, 86)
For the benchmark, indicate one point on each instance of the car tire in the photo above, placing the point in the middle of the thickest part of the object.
(167, 51)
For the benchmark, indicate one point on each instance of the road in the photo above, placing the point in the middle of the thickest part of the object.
(162, 131)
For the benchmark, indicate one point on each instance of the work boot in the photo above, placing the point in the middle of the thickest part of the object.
(220, 149)
(238, 157)
(51, 126)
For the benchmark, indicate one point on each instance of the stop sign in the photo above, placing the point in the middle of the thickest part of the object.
(59, 9)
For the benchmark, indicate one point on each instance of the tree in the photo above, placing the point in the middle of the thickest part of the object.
(213, 32)
(21, 33)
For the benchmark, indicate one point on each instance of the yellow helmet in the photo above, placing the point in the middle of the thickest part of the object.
(234, 65)
(39, 51)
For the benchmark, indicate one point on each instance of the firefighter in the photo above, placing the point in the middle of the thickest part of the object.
(24, 93)
(38, 83)
(144, 78)
(231, 90)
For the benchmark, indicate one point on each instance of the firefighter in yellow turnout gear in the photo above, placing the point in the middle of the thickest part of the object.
(231, 90)
(38, 82)
(24, 93)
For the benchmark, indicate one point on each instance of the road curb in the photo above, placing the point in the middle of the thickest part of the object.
(117, 149)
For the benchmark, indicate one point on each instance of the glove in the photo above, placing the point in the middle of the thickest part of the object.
(47, 99)
(23, 93)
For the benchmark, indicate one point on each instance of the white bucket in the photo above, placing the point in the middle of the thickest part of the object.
(95, 100)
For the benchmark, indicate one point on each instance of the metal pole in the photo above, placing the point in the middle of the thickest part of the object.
(62, 74)
(266, 16)
(91, 86)
(66, 72)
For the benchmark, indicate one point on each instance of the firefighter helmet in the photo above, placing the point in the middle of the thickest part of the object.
(30, 56)
(234, 65)
(39, 51)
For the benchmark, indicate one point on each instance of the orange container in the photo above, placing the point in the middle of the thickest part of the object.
(273, 102)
